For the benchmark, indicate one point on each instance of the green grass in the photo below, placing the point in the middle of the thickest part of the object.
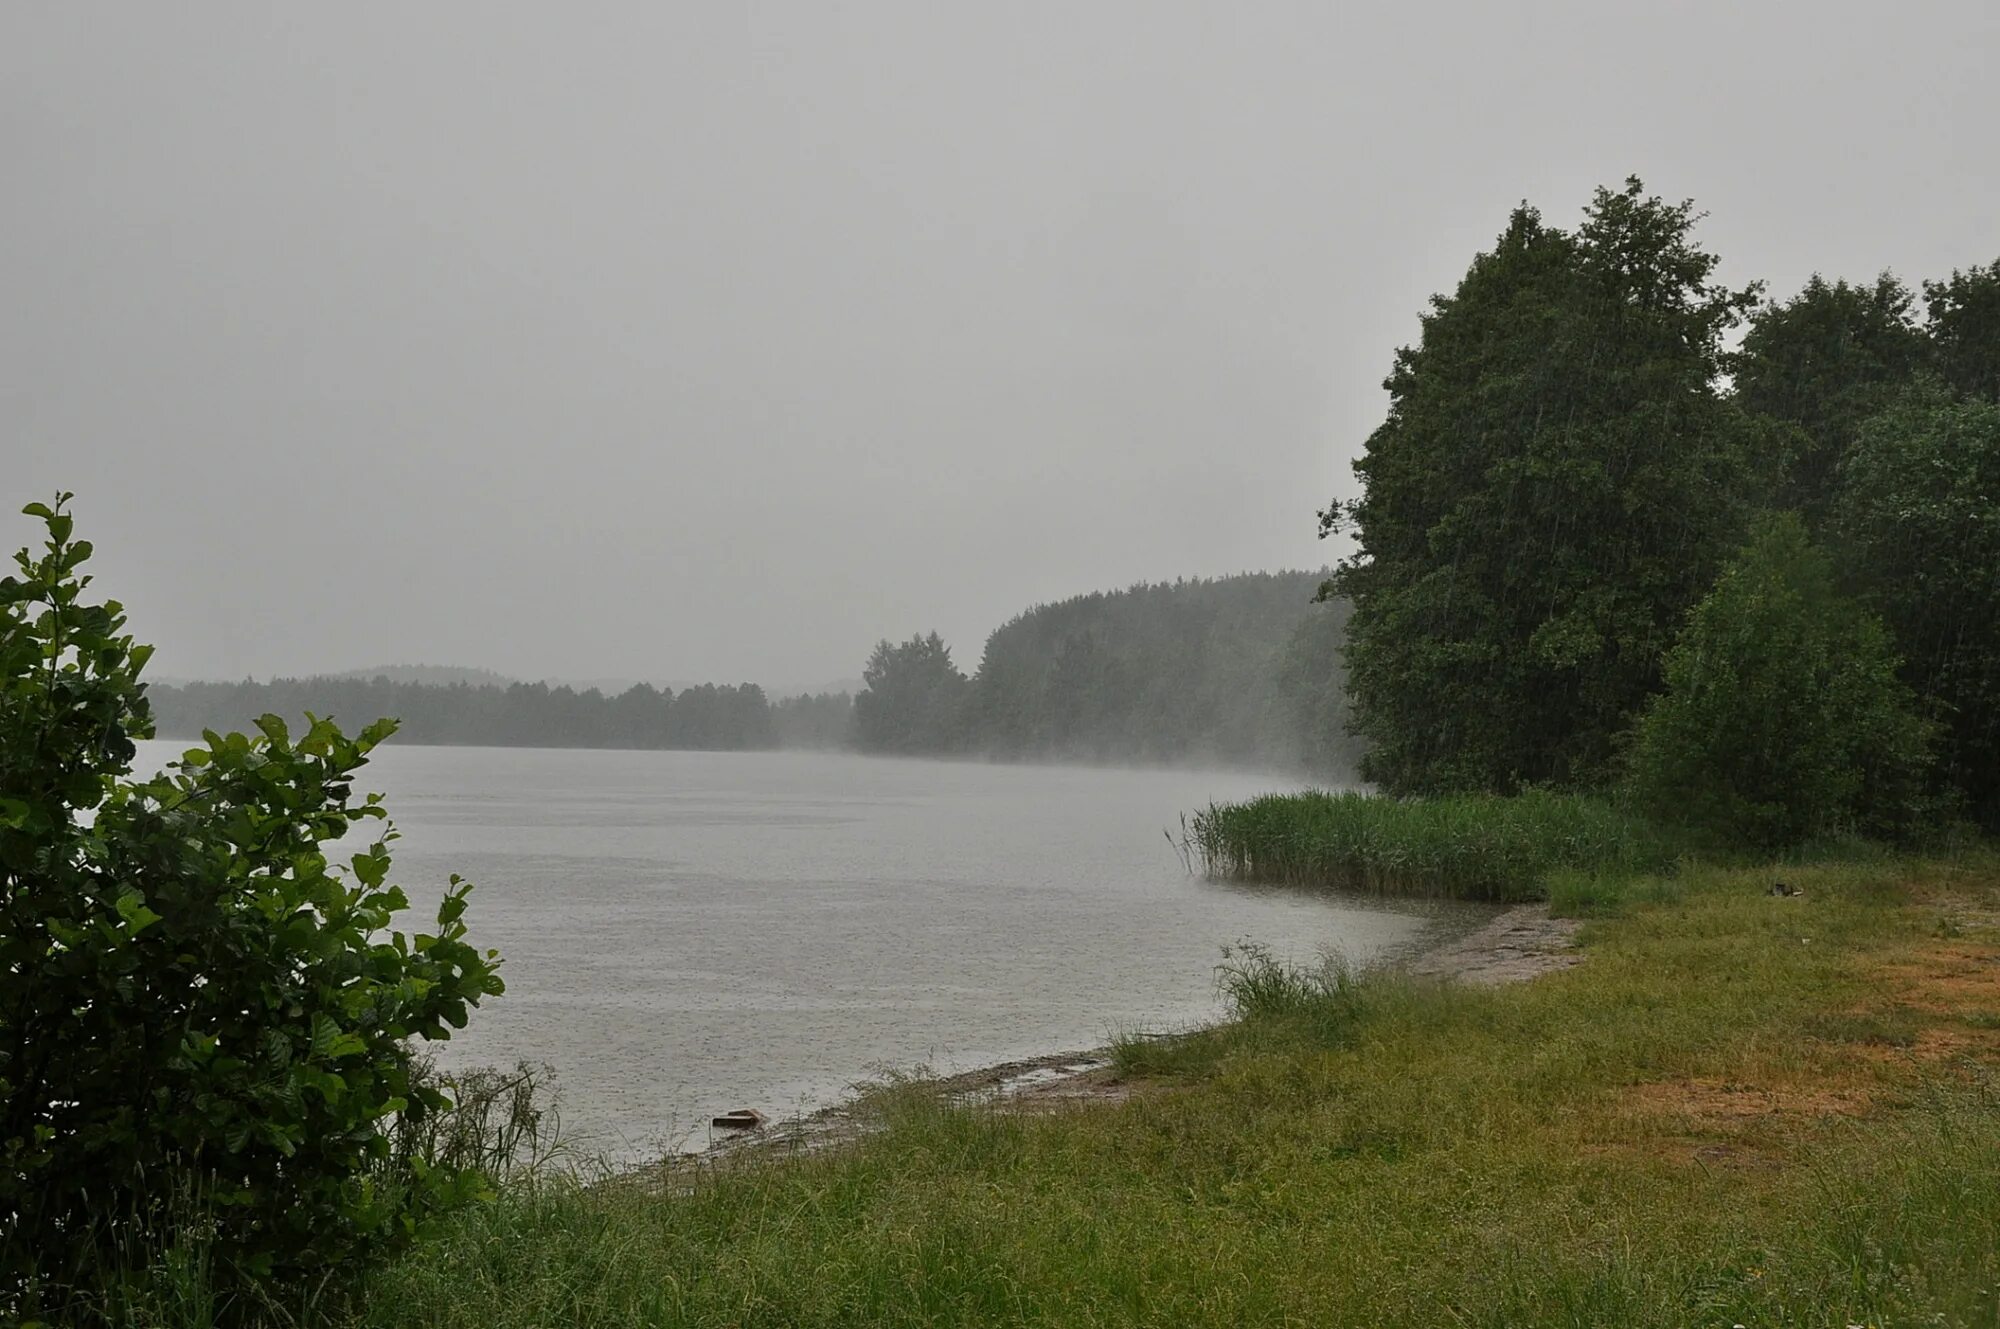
(1479, 847)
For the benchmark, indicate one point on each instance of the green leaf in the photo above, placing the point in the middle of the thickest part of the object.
(132, 908)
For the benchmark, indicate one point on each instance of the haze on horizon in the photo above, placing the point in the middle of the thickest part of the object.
(720, 341)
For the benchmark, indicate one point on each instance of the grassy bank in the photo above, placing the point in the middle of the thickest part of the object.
(1742, 1109)
(1474, 847)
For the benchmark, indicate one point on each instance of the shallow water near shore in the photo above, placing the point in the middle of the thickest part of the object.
(691, 932)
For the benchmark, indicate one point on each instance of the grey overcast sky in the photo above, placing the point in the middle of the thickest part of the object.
(718, 340)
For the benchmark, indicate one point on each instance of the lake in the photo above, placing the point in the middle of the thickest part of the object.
(690, 932)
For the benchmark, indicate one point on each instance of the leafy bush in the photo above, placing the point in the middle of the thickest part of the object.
(1782, 718)
(1469, 846)
(193, 999)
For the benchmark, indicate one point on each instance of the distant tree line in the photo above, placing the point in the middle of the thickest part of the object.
(1243, 668)
(1759, 586)
(1235, 669)
(710, 717)
(818, 720)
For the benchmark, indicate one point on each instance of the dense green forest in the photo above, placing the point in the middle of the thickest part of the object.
(1241, 668)
(1567, 569)
(723, 718)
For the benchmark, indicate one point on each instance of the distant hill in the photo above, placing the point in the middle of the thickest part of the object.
(433, 675)
(836, 687)
(518, 715)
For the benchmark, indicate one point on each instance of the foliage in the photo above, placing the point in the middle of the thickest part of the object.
(1165, 671)
(707, 716)
(1783, 719)
(1964, 329)
(1918, 524)
(1555, 484)
(1824, 361)
(1466, 846)
(192, 998)
(913, 698)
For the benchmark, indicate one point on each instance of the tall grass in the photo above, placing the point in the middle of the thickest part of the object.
(1475, 847)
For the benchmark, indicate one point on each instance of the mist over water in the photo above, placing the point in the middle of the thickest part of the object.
(690, 932)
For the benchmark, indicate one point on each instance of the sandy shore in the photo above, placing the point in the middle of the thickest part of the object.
(1520, 943)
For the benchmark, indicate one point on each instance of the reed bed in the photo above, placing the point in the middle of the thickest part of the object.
(1472, 847)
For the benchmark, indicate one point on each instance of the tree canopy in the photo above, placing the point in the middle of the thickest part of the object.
(1964, 312)
(912, 698)
(1824, 361)
(1782, 716)
(1918, 531)
(1556, 482)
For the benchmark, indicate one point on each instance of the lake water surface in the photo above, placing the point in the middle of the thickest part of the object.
(690, 932)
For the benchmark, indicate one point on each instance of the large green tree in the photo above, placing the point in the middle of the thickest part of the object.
(1555, 484)
(1918, 528)
(1824, 361)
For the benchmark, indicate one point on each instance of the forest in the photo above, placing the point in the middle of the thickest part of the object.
(1241, 669)
(1603, 545)
(709, 717)
(1232, 669)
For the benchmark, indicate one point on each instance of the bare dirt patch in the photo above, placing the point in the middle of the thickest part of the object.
(1720, 1104)
(1945, 977)
(1521, 943)
(1938, 999)
(1040, 1084)
(1728, 1125)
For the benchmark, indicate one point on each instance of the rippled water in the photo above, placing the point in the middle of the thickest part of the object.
(690, 932)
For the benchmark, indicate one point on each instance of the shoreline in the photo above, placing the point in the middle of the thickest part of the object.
(1516, 944)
